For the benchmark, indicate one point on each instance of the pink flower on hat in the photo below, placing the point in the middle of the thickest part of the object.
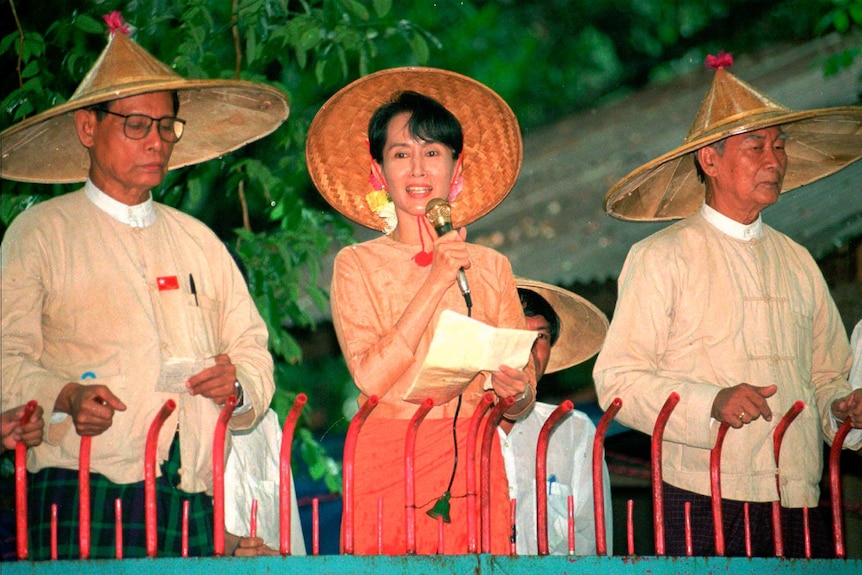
(720, 60)
(115, 23)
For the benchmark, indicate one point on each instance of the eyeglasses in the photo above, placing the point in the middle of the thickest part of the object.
(137, 126)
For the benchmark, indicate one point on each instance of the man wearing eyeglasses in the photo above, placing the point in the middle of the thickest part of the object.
(114, 305)
(130, 142)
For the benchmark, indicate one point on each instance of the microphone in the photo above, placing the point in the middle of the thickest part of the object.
(439, 213)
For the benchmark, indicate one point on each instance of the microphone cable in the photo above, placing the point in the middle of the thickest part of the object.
(455, 424)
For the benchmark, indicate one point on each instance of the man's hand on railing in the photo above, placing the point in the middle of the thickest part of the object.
(849, 406)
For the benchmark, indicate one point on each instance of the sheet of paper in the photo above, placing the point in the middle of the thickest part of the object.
(461, 348)
(177, 370)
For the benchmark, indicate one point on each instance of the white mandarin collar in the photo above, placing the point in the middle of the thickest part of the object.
(140, 216)
(744, 232)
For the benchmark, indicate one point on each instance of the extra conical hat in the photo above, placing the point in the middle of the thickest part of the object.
(583, 326)
(819, 143)
(337, 150)
(221, 116)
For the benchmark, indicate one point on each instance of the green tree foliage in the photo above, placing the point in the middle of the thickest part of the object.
(843, 16)
(547, 58)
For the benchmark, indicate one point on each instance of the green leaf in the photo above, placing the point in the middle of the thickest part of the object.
(823, 24)
(841, 21)
(357, 9)
(87, 23)
(197, 192)
(301, 57)
(8, 41)
(251, 46)
(382, 7)
(31, 69)
(320, 70)
(309, 38)
(420, 48)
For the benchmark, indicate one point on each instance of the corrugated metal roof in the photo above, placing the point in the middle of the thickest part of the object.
(558, 242)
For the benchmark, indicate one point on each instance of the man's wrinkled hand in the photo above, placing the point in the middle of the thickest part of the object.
(743, 403)
(216, 382)
(253, 547)
(91, 407)
(849, 406)
(13, 432)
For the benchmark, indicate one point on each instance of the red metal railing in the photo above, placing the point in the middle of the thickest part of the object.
(485, 471)
(542, 473)
(655, 458)
(715, 487)
(777, 439)
(472, 491)
(598, 477)
(284, 473)
(482, 493)
(21, 537)
(835, 485)
(150, 476)
(409, 475)
(347, 472)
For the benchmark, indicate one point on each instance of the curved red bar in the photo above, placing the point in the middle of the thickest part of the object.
(315, 526)
(150, 475)
(53, 531)
(485, 472)
(118, 528)
(347, 471)
(21, 535)
(218, 474)
(184, 537)
(380, 526)
(835, 486)
(409, 477)
(284, 500)
(513, 521)
(29, 410)
(715, 488)
(777, 438)
(657, 492)
(630, 528)
(252, 522)
(570, 503)
(598, 476)
(472, 435)
(747, 528)
(688, 545)
(542, 473)
(84, 496)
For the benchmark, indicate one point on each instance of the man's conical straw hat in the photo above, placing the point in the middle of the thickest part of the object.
(221, 116)
(583, 326)
(819, 142)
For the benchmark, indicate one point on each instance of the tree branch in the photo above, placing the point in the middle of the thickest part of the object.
(236, 45)
(20, 43)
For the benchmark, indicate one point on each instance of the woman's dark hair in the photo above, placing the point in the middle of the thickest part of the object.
(535, 305)
(429, 121)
